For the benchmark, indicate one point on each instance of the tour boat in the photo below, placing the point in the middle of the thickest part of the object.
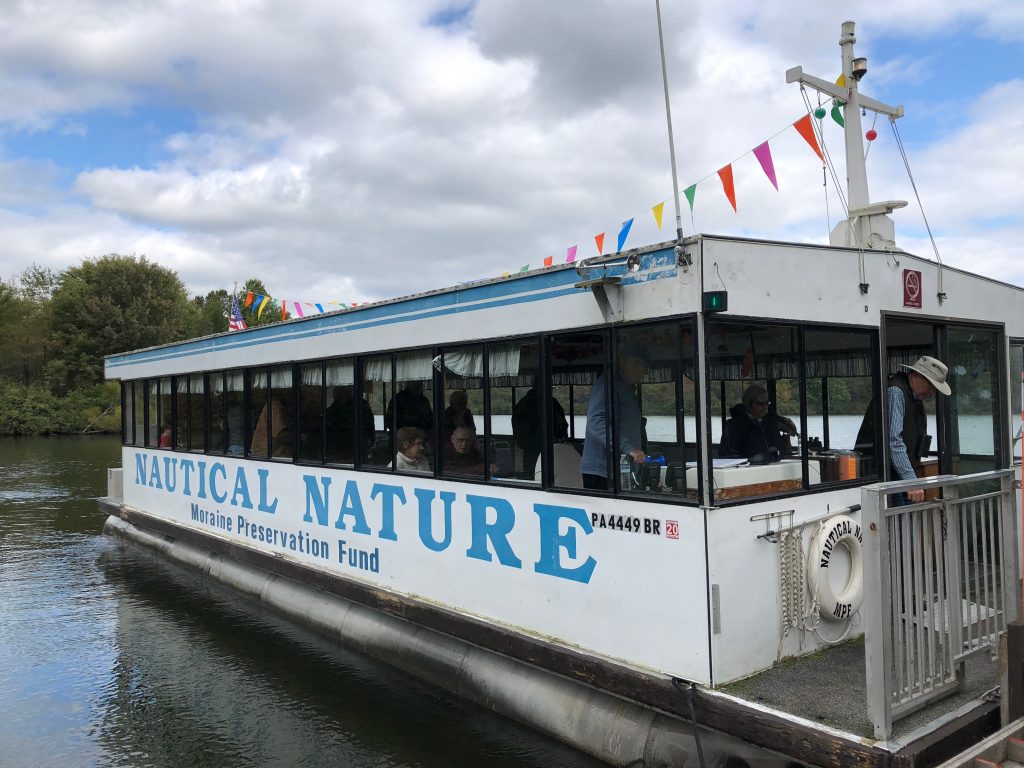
(578, 548)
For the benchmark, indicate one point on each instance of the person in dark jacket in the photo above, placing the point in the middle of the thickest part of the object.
(754, 432)
(908, 421)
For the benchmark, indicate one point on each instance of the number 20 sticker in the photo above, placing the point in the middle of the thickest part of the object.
(672, 529)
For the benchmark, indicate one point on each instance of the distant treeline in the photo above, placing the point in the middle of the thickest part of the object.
(56, 327)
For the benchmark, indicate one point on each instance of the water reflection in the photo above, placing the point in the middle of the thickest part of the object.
(110, 657)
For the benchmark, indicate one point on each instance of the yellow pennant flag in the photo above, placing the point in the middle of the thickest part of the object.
(657, 211)
(263, 305)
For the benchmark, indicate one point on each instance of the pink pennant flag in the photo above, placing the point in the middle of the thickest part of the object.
(599, 240)
(298, 309)
(764, 157)
(725, 174)
(570, 254)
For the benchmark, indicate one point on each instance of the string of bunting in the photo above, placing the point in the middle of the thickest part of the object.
(256, 304)
(763, 154)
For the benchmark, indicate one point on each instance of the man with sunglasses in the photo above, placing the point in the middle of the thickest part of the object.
(753, 432)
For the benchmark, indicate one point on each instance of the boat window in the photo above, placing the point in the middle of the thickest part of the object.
(577, 362)
(514, 421)
(234, 401)
(377, 397)
(1017, 398)
(180, 435)
(412, 418)
(975, 424)
(159, 413)
(139, 413)
(841, 427)
(463, 431)
(655, 399)
(281, 413)
(754, 377)
(196, 413)
(340, 417)
(311, 412)
(217, 413)
(127, 412)
(257, 425)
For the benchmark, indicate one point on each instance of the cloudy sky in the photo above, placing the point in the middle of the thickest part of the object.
(351, 151)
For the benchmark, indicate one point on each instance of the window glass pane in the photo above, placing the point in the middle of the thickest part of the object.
(164, 413)
(258, 424)
(179, 385)
(840, 441)
(311, 412)
(341, 414)
(515, 427)
(1016, 390)
(127, 408)
(577, 361)
(754, 373)
(282, 401)
(139, 413)
(462, 375)
(413, 412)
(651, 365)
(196, 412)
(975, 427)
(218, 425)
(377, 399)
(234, 400)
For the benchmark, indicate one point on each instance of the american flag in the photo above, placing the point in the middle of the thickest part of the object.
(236, 322)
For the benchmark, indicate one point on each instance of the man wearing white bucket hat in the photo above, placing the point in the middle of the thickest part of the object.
(908, 423)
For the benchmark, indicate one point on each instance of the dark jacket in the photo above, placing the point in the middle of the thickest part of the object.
(744, 437)
(915, 425)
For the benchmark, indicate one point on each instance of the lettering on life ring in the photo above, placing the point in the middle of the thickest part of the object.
(837, 531)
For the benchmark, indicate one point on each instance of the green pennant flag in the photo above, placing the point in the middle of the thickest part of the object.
(690, 192)
(837, 115)
(525, 268)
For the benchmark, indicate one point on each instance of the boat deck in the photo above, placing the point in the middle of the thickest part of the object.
(828, 687)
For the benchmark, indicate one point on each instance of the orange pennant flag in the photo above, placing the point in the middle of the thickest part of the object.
(599, 239)
(248, 299)
(725, 174)
(657, 211)
(804, 128)
(548, 261)
(284, 312)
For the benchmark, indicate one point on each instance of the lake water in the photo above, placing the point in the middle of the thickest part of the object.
(108, 657)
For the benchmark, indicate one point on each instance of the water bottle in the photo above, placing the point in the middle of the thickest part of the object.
(625, 477)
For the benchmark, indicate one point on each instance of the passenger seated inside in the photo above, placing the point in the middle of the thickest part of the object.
(411, 445)
(463, 457)
(754, 432)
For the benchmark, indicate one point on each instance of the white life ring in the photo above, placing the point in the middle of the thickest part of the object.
(837, 531)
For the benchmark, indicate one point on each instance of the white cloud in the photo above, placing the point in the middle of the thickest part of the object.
(356, 149)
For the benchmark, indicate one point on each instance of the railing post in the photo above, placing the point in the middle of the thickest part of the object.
(877, 610)
(1013, 682)
(1009, 521)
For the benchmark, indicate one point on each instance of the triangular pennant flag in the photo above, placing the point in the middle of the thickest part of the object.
(657, 211)
(837, 114)
(298, 309)
(599, 240)
(505, 274)
(319, 307)
(264, 300)
(725, 174)
(248, 299)
(256, 302)
(804, 128)
(524, 268)
(764, 157)
(549, 260)
(570, 254)
(690, 192)
(623, 234)
(284, 309)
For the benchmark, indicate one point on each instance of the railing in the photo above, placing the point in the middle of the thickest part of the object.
(940, 584)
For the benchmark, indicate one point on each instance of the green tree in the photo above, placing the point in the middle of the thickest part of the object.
(211, 313)
(24, 319)
(108, 305)
(271, 312)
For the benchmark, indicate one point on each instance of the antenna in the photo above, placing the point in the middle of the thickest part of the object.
(681, 257)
